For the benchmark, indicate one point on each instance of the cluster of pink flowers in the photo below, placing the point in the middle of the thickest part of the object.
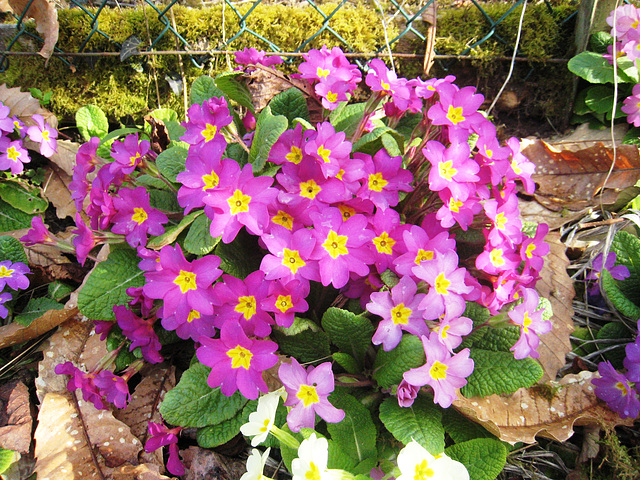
(12, 275)
(13, 131)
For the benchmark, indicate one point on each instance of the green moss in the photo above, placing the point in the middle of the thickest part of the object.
(127, 91)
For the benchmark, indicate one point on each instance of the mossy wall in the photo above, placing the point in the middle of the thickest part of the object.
(127, 91)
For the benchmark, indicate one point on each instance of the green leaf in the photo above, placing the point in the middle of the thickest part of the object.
(356, 434)
(347, 362)
(233, 89)
(35, 309)
(12, 249)
(204, 88)
(477, 313)
(19, 196)
(460, 428)
(580, 104)
(107, 283)
(199, 240)
(165, 115)
(91, 122)
(303, 340)
(614, 331)
(498, 339)
(632, 137)
(7, 457)
(351, 333)
(164, 200)
(292, 104)
(407, 124)
(215, 435)
(347, 118)
(593, 67)
(175, 132)
(484, 458)
(193, 403)
(59, 290)
(599, 41)
(289, 454)
(104, 147)
(371, 142)
(421, 422)
(171, 162)
(617, 298)
(240, 257)
(269, 127)
(500, 373)
(600, 98)
(171, 232)
(13, 219)
(627, 249)
(389, 366)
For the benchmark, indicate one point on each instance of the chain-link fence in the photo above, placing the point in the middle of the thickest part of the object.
(399, 19)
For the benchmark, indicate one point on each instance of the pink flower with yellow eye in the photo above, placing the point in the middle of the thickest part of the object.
(135, 218)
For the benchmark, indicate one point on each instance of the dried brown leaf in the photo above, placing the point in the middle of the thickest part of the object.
(550, 410)
(46, 17)
(575, 180)
(208, 464)
(15, 333)
(65, 157)
(15, 417)
(24, 106)
(56, 190)
(556, 286)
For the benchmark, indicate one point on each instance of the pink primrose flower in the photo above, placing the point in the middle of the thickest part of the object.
(406, 394)
(631, 106)
(626, 19)
(532, 325)
(384, 178)
(13, 275)
(113, 387)
(285, 300)
(38, 234)
(615, 388)
(451, 330)
(206, 122)
(290, 255)
(307, 392)
(442, 371)
(140, 332)
(457, 107)
(451, 168)
(189, 323)
(84, 381)
(44, 134)
(14, 157)
(388, 241)
(4, 298)
(128, 154)
(236, 361)
(135, 218)
(533, 249)
(328, 148)
(160, 436)
(455, 210)
(6, 122)
(251, 56)
(84, 241)
(421, 247)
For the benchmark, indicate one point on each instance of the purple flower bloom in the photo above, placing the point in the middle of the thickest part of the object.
(324, 64)
(135, 218)
(451, 331)
(618, 272)
(420, 246)
(140, 332)
(307, 392)
(507, 225)
(531, 323)
(247, 206)
(6, 124)
(128, 154)
(442, 371)
(632, 360)
(13, 275)
(381, 79)
(406, 393)
(451, 168)
(103, 327)
(180, 281)
(384, 178)
(84, 240)
(82, 380)
(533, 250)
(290, 255)
(189, 324)
(14, 157)
(341, 246)
(86, 161)
(251, 56)
(4, 298)
(616, 389)
(399, 311)
(290, 146)
(329, 148)
(114, 388)
(237, 362)
(160, 436)
(206, 122)
(43, 134)
(285, 300)
(38, 233)
(457, 107)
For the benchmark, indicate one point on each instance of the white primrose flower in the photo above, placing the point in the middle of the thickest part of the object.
(313, 455)
(261, 421)
(255, 465)
(416, 463)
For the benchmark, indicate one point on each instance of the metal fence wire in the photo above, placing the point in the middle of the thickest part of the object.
(409, 15)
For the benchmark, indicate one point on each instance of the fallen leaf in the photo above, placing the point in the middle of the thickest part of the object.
(56, 190)
(550, 410)
(65, 157)
(208, 464)
(575, 180)
(24, 106)
(15, 418)
(15, 333)
(556, 286)
(46, 17)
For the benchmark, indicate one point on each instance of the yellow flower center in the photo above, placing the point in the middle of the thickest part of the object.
(265, 425)
(496, 258)
(332, 97)
(246, 306)
(193, 315)
(377, 182)
(240, 357)
(322, 72)
(13, 154)
(423, 255)
(238, 202)
(209, 132)
(501, 221)
(309, 189)
(438, 371)
(384, 243)
(6, 272)
(446, 170)
(292, 260)
(308, 395)
(529, 250)
(45, 135)
(385, 86)
(621, 386)
(139, 215)
(324, 153)
(340, 174)
(133, 158)
(347, 211)
(186, 281)
(514, 166)
(442, 284)
(294, 156)
(283, 219)
(454, 205)
(313, 473)
(400, 314)
(526, 321)
(444, 331)
(284, 303)
(336, 244)
(210, 181)
(454, 114)
(423, 471)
